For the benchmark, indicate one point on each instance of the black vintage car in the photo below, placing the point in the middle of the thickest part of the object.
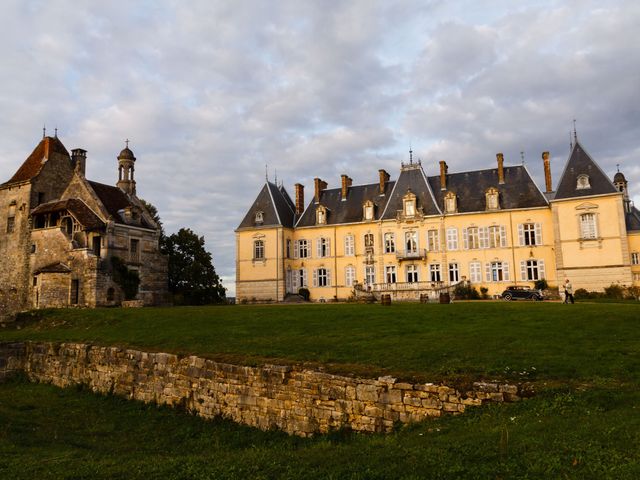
(521, 293)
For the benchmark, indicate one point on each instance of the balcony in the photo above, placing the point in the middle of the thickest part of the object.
(417, 254)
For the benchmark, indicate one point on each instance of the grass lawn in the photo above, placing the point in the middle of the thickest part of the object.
(584, 423)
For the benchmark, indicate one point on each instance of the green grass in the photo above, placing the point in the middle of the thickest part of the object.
(48, 433)
(463, 341)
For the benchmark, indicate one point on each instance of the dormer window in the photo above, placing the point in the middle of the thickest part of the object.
(583, 182)
(450, 203)
(492, 199)
(409, 204)
(367, 210)
(321, 215)
(259, 218)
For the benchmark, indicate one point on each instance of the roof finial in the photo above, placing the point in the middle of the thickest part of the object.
(410, 154)
(56, 132)
(575, 133)
(44, 131)
(275, 180)
(522, 156)
(570, 142)
(126, 142)
(618, 167)
(266, 172)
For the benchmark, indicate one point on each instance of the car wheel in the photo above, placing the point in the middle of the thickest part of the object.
(508, 297)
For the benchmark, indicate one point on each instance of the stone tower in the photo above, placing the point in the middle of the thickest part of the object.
(126, 161)
(621, 185)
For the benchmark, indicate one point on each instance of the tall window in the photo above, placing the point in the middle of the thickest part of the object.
(412, 273)
(301, 278)
(530, 234)
(452, 238)
(349, 247)
(349, 275)
(492, 199)
(434, 272)
(258, 249)
(450, 203)
(321, 277)
(288, 248)
(390, 273)
(367, 210)
(497, 236)
(11, 217)
(532, 269)
(321, 215)
(134, 250)
(475, 274)
(411, 242)
(368, 242)
(409, 204)
(471, 238)
(454, 273)
(389, 243)
(323, 247)
(369, 274)
(433, 240)
(497, 271)
(301, 249)
(588, 226)
(259, 218)
(635, 258)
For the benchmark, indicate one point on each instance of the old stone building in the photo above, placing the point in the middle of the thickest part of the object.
(59, 232)
(420, 233)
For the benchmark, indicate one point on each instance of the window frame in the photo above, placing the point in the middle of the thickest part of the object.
(389, 242)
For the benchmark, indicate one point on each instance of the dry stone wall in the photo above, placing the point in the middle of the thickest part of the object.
(294, 399)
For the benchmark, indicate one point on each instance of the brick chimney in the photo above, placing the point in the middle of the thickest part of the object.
(547, 172)
(346, 183)
(384, 178)
(443, 175)
(299, 198)
(79, 160)
(500, 158)
(320, 185)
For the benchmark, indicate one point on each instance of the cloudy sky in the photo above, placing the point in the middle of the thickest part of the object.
(209, 92)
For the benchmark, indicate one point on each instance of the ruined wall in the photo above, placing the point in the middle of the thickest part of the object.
(296, 400)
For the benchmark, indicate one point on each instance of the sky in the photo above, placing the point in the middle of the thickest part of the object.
(216, 95)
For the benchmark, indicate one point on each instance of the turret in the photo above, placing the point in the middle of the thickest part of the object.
(126, 161)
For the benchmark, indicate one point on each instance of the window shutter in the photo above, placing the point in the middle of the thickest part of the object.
(318, 247)
(315, 277)
(328, 247)
(465, 238)
(487, 270)
(541, 272)
(484, 237)
(538, 230)
(296, 280)
(304, 277)
(505, 271)
(503, 236)
(296, 247)
(523, 270)
(521, 234)
(328, 277)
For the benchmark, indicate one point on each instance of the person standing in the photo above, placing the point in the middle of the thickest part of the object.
(568, 291)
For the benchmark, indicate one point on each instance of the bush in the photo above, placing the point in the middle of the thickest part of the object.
(541, 284)
(581, 294)
(127, 280)
(633, 292)
(483, 292)
(304, 293)
(614, 291)
(466, 292)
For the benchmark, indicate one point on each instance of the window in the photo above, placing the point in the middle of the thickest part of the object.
(323, 247)
(11, 217)
(134, 251)
(321, 277)
(367, 210)
(636, 277)
(288, 252)
(492, 200)
(258, 249)
(454, 273)
(349, 275)
(412, 273)
(450, 203)
(349, 248)
(33, 248)
(452, 238)
(110, 294)
(475, 275)
(259, 217)
(40, 198)
(532, 270)
(300, 278)
(95, 246)
(497, 236)
(583, 182)
(390, 273)
(411, 242)
(433, 240)
(74, 293)
(35, 281)
(588, 226)
(530, 234)
(301, 249)
(434, 272)
(635, 258)
(409, 204)
(369, 274)
(368, 242)
(497, 271)
(389, 243)
(321, 215)
(471, 238)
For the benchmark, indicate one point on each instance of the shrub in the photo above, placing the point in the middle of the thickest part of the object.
(581, 294)
(304, 293)
(633, 292)
(466, 292)
(541, 284)
(127, 280)
(483, 292)
(614, 291)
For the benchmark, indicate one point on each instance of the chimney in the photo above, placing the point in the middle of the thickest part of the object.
(500, 158)
(384, 178)
(319, 187)
(299, 198)
(547, 172)
(79, 160)
(443, 175)
(346, 183)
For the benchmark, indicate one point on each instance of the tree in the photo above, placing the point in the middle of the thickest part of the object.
(153, 211)
(192, 278)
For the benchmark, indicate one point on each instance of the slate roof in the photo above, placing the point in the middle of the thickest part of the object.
(632, 219)
(34, 162)
(518, 190)
(581, 163)
(349, 211)
(276, 207)
(78, 209)
(414, 179)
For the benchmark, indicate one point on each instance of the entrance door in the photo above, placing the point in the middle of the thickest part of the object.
(75, 292)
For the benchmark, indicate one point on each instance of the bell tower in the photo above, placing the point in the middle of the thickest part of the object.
(126, 161)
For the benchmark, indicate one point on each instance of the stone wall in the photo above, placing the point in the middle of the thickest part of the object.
(297, 400)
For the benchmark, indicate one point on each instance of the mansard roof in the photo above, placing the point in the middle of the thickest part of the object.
(632, 219)
(518, 190)
(581, 163)
(34, 162)
(276, 207)
(412, 178)
(76, 207)
(350, 210)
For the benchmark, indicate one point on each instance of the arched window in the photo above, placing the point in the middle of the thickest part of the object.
(450, 203)
(492, 199)
(409, 204)
(583, 182)
(259, 218)
(321, 215)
